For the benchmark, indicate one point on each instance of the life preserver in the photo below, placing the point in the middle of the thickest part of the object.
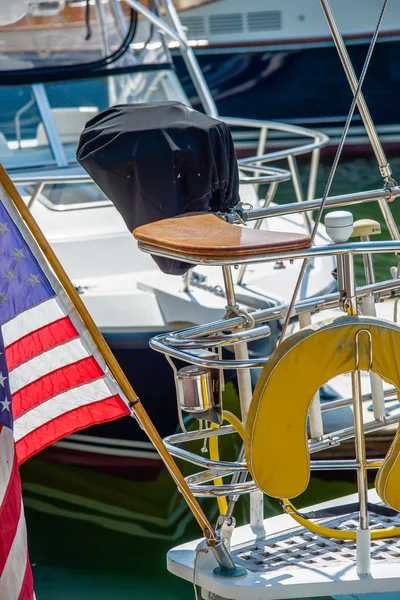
(276, 444)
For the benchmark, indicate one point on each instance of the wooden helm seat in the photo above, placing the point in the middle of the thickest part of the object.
(205, 235)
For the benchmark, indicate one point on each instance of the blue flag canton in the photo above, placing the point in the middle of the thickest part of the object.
(22, 282)
(5, 394)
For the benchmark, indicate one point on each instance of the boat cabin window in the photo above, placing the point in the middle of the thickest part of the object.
(43, 35)
(24, 122)
(61, 64)
(24, 115)
(19, 119)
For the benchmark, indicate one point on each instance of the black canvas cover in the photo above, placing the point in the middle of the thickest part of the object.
(160, 160)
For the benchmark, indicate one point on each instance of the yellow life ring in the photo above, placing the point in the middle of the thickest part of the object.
(276, 436)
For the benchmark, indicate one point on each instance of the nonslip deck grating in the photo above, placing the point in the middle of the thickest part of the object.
(299, 547)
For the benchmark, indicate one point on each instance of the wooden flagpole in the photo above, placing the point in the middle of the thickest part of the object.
(108, 356)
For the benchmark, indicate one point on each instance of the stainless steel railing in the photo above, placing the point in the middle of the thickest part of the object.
(253, 169)
(180, 344)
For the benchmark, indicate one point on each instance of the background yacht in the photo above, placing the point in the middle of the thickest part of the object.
(270, 59)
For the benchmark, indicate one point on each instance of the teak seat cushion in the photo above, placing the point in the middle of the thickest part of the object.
(206, 235)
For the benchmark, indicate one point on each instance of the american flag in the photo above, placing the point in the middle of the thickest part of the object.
(53, 380)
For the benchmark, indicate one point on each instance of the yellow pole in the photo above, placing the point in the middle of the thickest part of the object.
(214, 452)
(214, 455)
(108, 356)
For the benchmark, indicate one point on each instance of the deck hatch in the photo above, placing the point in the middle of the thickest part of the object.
(300, 547)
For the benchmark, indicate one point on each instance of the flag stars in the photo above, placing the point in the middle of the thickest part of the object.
(18, 254)
(6, 405)
(10, 275)
(33, 279)
(3, 228)
(3, 298)
(2, 379)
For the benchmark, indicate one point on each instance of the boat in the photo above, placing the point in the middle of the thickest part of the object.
(62, 66)
(278, 53)
(347, 546)
(344, 548)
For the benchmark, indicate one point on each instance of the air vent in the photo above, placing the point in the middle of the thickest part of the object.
(264, 20)
(232, 23)
(47, 8)
(196, 28)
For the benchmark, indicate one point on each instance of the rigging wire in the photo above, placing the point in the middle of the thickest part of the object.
(333, 168)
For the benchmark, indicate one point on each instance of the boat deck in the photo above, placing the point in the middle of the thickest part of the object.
(291, 562)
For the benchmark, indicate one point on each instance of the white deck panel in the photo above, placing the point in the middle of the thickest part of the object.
(334, 577)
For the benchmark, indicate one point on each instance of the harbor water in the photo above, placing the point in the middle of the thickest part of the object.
(95, 535)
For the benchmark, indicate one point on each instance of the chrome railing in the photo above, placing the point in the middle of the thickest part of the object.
(180, 343)
(390, 246)
(213, 469)
(198, 346)
(254, 170)
(331, 202)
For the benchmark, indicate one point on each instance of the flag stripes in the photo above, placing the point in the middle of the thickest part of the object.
(30, 320)
(39, 340)
(97, 412)
(9, 513)
(15, 571)
(46, 362)
(55, 383)
(13, 575)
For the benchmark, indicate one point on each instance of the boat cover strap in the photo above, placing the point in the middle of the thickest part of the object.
(276, 441)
